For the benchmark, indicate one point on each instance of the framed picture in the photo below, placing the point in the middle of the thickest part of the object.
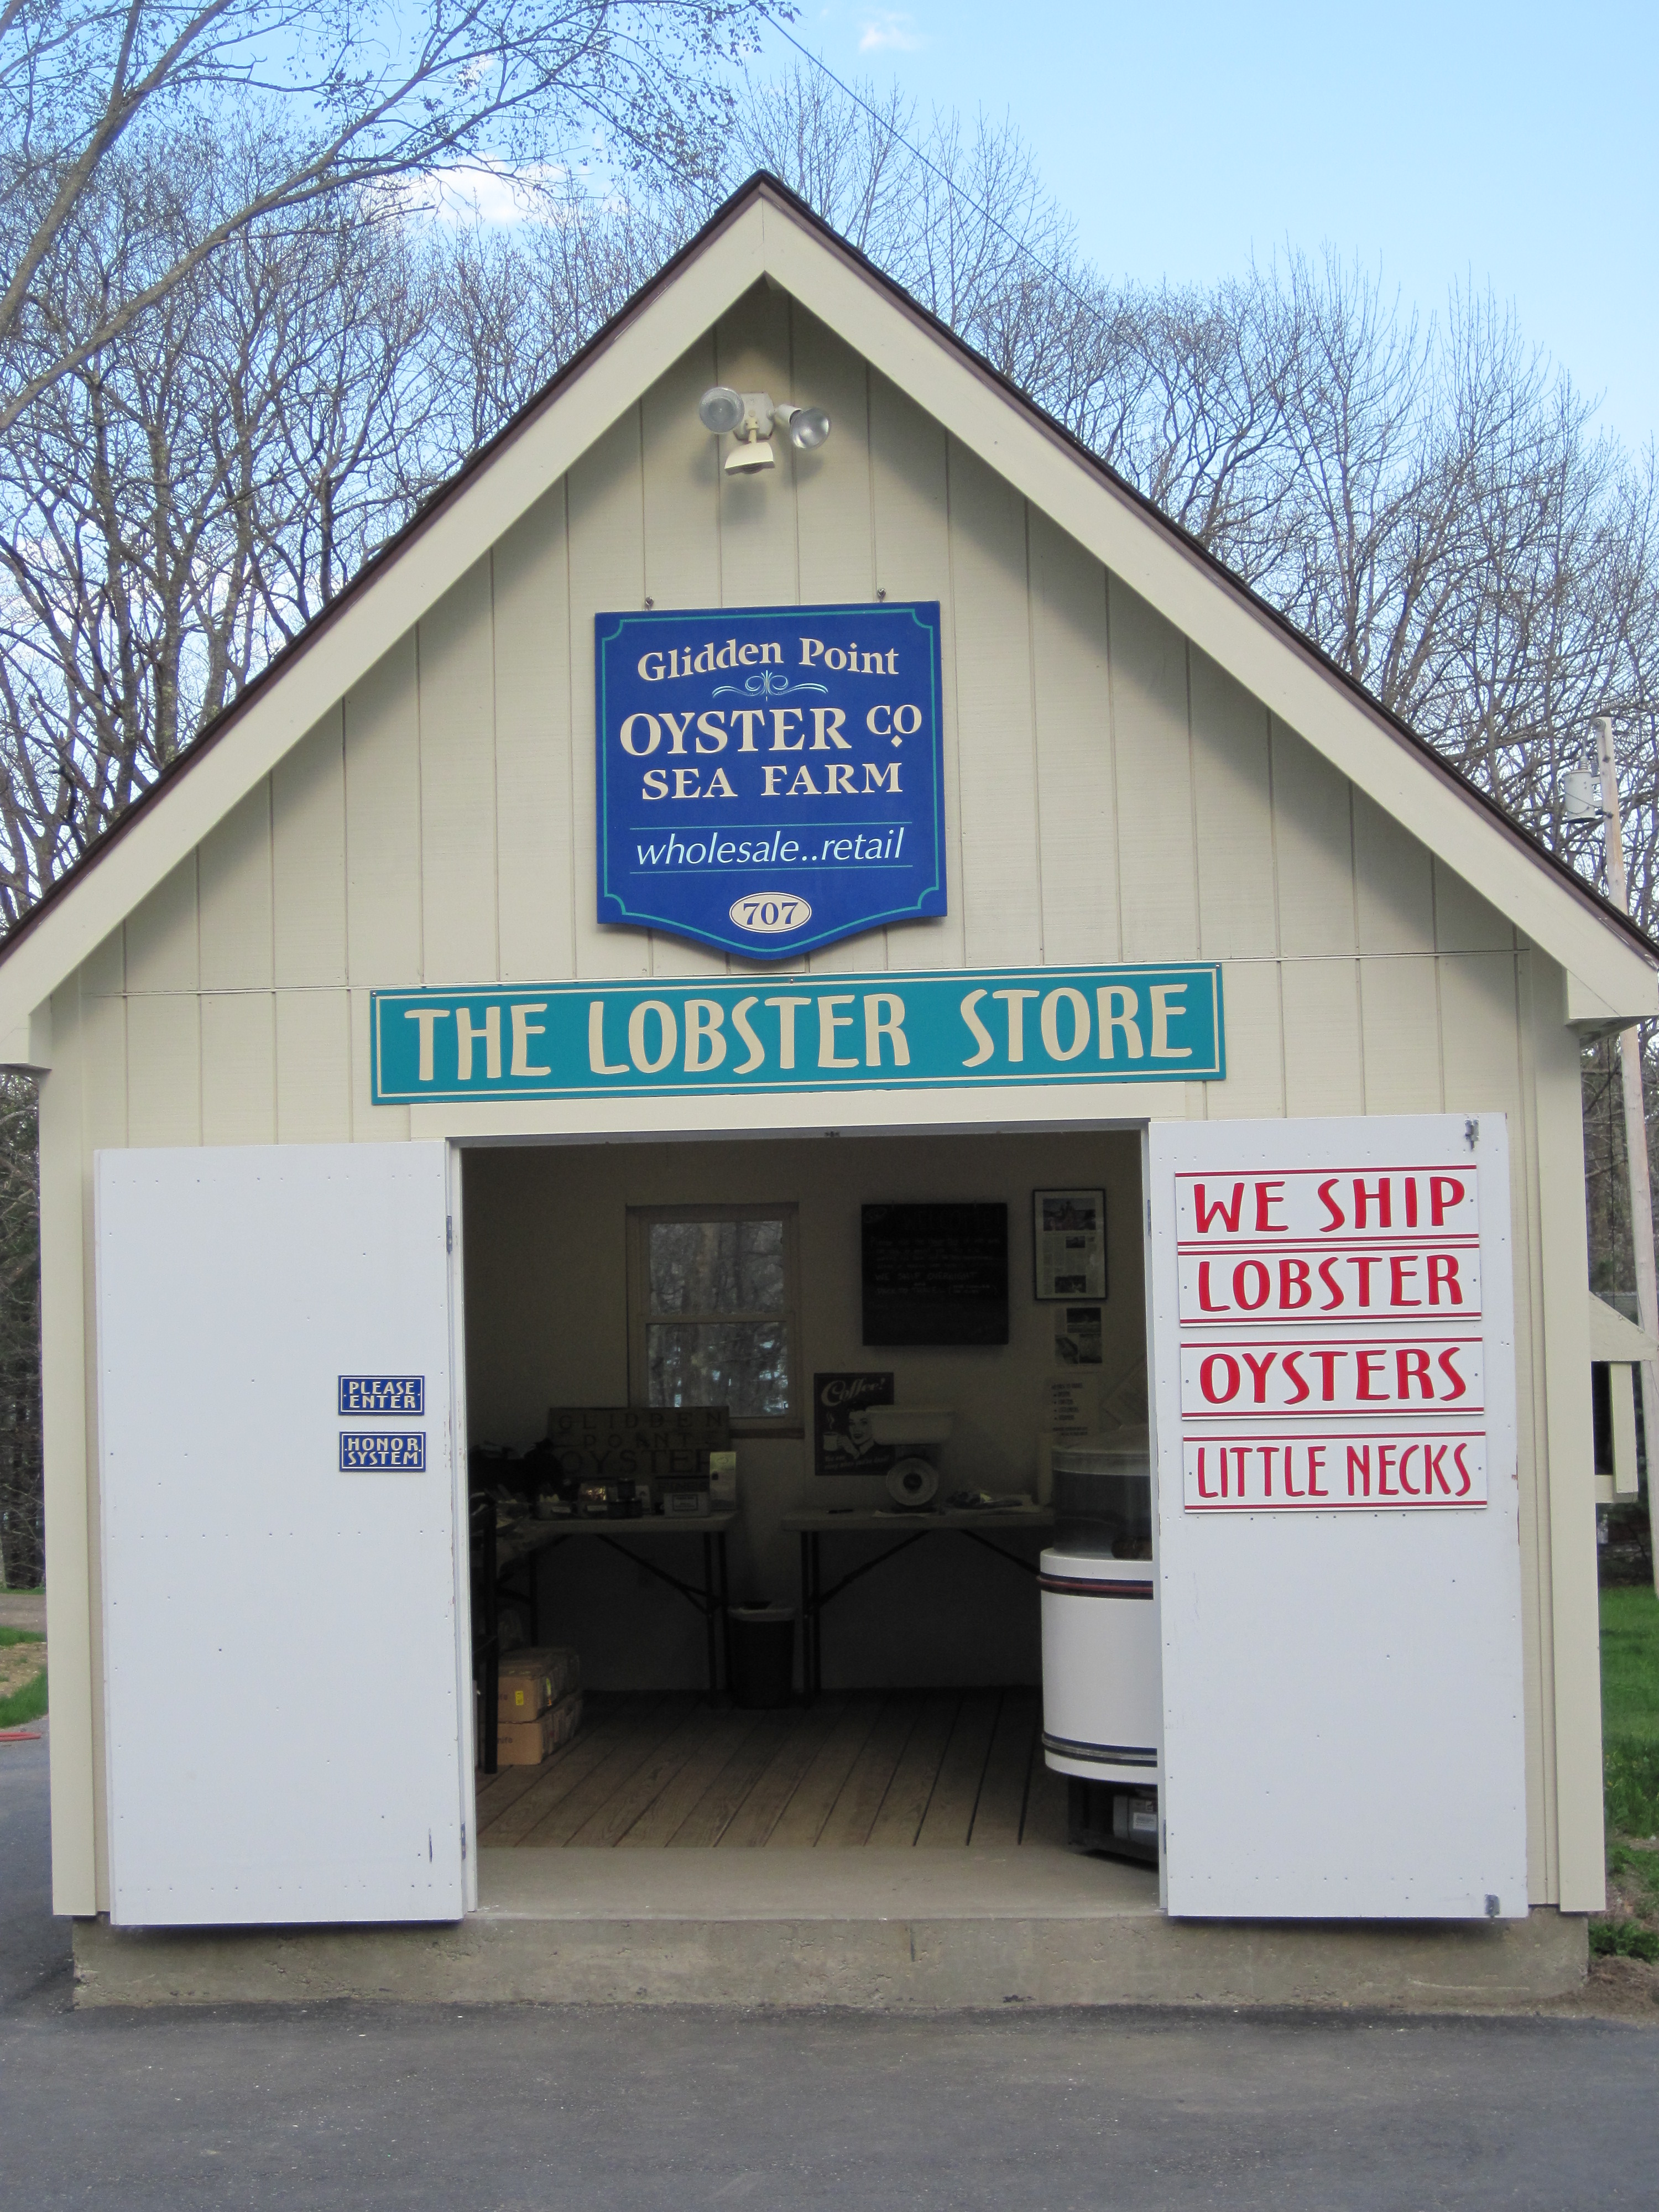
(1068, 1243)
(840, 1423)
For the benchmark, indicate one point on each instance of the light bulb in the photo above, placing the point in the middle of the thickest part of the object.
(720, 409)
(806, 427)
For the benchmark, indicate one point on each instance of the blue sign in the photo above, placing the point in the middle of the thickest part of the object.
(382, 1394)
(965, 1030)
(383, 1451)
(770, 778)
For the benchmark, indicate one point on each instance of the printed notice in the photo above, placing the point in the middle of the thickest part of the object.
(1332, 1353)
(1071, 1410)
(1077, 1336)
(383, 1451)
(382, 1394)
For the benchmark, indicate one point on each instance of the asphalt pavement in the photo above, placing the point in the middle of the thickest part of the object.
(524, 2109)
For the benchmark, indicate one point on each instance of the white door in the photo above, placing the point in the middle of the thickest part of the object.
(1339, 1559)
(284, 1599)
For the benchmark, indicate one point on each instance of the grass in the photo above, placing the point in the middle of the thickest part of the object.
(1630, 1710)
(1629, 1766)
(30, 1702)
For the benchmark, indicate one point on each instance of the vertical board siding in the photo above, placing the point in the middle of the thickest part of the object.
(834, 531)
(1532, 1431)
(1313, 835)
(834, 526)
(680, 495)
(1399, 1021)
(1255, 1049)
(67, 1413)
(1324, 1055)
(1394, 883)
(1071, 685)
(102, 1037)
(164, 1069)
(383, 823)
(313, 1067)
(370, 1124)
(1463, 922)
(1479, 1040)
(1233, 810)
(458, 900)
(996, 739)
(758, 566)
(308, 854)
(680, 489)
(606, 571)
(235, 887)
(104, 975)
(1152, 746)
(910, 505)
(163, 949)
(534, 823)
(239, 1068)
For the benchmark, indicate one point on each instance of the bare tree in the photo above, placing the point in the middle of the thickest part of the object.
(175, 508)
(345, 102)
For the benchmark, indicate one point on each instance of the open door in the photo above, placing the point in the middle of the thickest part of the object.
(1339, 1562)
(283, 1593)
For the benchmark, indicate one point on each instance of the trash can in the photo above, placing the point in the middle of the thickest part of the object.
(760, 1655)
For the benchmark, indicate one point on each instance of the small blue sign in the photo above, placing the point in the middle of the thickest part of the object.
(383, 1451)
(969, 1029)
(770, 778)
(382, 1394)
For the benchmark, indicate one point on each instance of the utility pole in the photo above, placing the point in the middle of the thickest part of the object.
(1636, 1133)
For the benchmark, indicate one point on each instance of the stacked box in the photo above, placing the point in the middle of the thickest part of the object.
(527, 1743)
(531, 1680)
(539, 1703)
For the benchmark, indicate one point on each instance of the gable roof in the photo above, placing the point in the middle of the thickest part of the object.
(764, 231)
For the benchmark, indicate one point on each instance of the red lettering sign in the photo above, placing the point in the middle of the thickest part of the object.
(1331, 1353)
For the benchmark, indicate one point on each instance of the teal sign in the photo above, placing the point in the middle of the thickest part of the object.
(770, 779)
(964, 1030)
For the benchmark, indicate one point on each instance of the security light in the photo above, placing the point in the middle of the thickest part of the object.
(806, 427)
(719, 408)
(749, 454)
(750, 417)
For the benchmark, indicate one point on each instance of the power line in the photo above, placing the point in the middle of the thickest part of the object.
(949, 183)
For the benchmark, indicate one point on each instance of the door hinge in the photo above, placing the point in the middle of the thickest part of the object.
(1149, 1216)
(449, 1232)
(464, 1839)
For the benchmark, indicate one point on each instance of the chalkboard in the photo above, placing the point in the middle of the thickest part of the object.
(936, 1274)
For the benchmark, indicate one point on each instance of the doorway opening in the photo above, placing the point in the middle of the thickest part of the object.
(836, 1309)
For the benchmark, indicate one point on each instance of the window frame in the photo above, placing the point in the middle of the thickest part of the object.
(640, 1219)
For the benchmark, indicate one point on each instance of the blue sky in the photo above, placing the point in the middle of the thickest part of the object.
(1514, 146)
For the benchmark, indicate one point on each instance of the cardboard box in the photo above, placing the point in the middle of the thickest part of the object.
(563, 1721)
(527, 1743)
(532, 1680)
(520, 1743)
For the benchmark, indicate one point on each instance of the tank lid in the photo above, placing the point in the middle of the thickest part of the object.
(1124, 1451)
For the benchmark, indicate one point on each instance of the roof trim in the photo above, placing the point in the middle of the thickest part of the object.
(724, 239)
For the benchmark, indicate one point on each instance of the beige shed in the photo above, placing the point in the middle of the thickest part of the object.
(383, 869)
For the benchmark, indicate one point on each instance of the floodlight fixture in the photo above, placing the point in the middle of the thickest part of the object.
(720, 409)
(749, 418)
(806, 427)
(748, 455)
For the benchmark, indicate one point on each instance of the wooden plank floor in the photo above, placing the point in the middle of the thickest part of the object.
(936, 1768)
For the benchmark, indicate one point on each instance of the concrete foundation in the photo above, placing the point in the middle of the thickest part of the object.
(902, 1930)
